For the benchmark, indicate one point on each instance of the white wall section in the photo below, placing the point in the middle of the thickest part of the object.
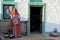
(52, 18)
(22, 7)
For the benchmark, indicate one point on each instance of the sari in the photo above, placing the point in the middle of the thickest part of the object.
(15, 23)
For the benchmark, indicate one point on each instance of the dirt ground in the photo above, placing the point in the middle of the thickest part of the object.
(30, 37)
(35, 37)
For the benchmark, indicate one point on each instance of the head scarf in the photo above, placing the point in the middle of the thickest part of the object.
(14, 12)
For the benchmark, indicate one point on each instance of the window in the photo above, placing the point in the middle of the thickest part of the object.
(5, 11)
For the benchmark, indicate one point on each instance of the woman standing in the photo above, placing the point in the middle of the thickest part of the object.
(15, 22)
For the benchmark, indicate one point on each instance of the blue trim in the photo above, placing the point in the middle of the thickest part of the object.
(36, 0)
(38, 4)
(28, 24)
(44, 18)
(8, 0)
(51, 32)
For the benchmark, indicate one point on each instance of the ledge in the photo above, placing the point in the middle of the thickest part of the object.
(37, 3)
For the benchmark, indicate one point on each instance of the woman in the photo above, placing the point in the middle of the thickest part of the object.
(15, 22)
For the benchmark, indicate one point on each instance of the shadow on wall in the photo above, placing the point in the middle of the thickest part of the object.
(49, 27)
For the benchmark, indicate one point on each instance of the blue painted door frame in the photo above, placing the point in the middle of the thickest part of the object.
(38, 4)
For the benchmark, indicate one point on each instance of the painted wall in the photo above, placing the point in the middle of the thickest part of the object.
(22, 7)
(52, 15)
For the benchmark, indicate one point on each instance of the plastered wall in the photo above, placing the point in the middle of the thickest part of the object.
(52, 15)
(22, 7)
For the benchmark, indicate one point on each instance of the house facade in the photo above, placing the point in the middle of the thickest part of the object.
(41, 16)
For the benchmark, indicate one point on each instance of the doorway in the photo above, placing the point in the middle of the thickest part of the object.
(35, 19)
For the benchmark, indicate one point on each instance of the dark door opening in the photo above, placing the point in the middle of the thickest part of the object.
(35, 19)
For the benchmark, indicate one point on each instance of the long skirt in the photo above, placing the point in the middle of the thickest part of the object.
(16, 30)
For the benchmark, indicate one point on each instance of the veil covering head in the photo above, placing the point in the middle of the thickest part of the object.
(13, 11)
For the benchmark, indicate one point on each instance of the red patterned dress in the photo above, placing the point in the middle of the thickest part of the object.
(16, 23)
